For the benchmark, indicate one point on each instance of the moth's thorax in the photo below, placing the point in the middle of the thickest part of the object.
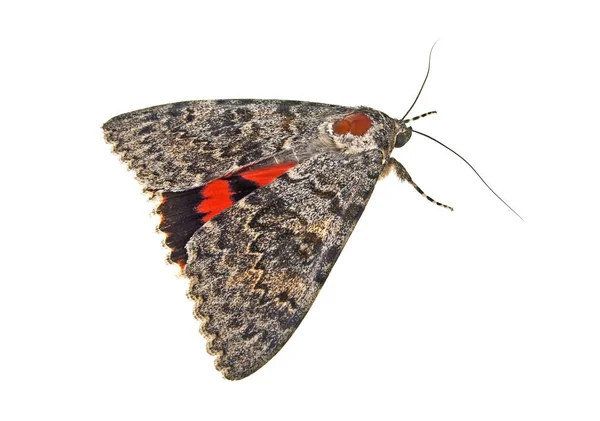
(363, 130)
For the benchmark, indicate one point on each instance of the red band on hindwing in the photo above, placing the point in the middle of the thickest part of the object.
(216, 197)
(183, 213)
(266, 175)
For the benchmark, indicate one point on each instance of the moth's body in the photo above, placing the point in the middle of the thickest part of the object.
(258, 198)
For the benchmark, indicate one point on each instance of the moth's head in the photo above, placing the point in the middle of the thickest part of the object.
(404, 132)
(403, 135)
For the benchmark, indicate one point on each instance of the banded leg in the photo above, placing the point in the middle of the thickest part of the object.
(403, 175)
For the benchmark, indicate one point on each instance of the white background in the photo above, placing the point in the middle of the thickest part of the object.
(428, 314)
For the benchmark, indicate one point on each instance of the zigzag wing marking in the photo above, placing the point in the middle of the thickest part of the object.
(256, 268)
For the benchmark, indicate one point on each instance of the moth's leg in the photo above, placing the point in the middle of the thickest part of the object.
(403, 175)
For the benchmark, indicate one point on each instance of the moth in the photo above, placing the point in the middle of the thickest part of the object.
(256, 199)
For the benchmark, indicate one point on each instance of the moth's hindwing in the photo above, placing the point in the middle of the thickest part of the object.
(258, 199)
(183, 213)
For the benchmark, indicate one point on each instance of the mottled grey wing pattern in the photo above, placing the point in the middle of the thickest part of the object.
(184, 145)
(256, 268)
(256, 251)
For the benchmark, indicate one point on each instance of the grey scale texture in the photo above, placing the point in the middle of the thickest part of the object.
(256, 268)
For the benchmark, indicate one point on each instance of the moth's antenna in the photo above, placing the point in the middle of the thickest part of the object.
(423, 85)
(410, 120)
(475, 171)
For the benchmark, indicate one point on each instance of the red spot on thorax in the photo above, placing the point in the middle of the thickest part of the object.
(266, 175)
(341, 127)
(217, 198)
(356, 124)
